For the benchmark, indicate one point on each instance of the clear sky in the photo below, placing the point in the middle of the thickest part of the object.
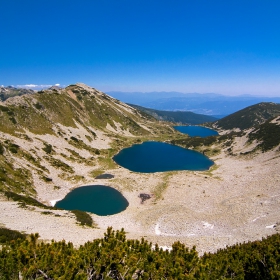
(222, 46)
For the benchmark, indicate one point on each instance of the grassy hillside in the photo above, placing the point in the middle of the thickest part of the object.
(249, 117)
(177, 116)
(41, 111)
(43, 134)
(267, 135)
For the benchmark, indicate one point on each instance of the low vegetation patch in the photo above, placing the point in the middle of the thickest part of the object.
(15, 179)
(161, 187)
(59, 164)
(83, 218)
(195, 141)
(1, 149)
(7, 235)
(81, 145)
(48, 148)
(268, 134)
(24, 200)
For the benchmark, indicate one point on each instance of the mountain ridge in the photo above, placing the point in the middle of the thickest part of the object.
(249, 117)
(44, 132)
(183, 117)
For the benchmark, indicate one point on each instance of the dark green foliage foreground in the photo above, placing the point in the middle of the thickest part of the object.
(114, 257)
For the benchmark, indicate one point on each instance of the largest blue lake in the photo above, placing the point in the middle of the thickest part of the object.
(151, 156)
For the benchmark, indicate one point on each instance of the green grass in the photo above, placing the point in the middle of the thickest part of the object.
(95, 173)
(83, 218)
(25, 200)
(161, 187)
(15, 179)
(59, 164)
(268, 134)
(81, 145)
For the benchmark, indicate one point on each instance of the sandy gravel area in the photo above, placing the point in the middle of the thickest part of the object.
(238, 200)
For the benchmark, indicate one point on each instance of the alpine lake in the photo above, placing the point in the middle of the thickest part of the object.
(147, 157)
(194, 131)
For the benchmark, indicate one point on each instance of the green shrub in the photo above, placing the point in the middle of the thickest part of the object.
(13, 120)
(4, 108)
(23, 200)
(115, 257)
(7, 235)
(38, 106)
(13, 148)
(48, 148)
(1, 149)
(47, 179)
(60, 164)
(74, 139)
(83, 218)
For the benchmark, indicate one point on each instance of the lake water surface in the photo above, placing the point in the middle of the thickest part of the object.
(193, 131)
(97, 199)
(150, 157)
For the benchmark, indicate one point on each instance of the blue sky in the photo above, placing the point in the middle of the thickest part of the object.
(227, 46)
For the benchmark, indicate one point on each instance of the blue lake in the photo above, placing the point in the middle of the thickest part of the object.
(150, 157)
(97, 199)
(193, 131)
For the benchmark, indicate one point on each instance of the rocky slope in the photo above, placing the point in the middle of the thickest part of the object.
(63, 137)
(7, 92)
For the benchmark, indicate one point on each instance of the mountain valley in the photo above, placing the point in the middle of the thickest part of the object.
(58, 139)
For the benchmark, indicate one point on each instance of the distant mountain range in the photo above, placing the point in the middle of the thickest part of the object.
(7, 92)
(183, 117)
(216, 105)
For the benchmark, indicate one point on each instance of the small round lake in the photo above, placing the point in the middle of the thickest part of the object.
(150, 157)
(193, 131)
(97, 199)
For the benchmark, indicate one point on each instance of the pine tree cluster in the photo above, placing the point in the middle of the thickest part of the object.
(115, 257)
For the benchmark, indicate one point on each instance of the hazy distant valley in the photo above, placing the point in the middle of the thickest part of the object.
(216, 105)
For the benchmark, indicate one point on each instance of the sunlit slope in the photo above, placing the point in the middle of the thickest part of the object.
(40, 112)
(56, 136)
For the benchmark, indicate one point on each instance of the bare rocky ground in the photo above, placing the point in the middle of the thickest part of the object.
(236, 201)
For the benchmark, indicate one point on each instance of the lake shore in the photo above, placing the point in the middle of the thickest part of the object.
(238, 200)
